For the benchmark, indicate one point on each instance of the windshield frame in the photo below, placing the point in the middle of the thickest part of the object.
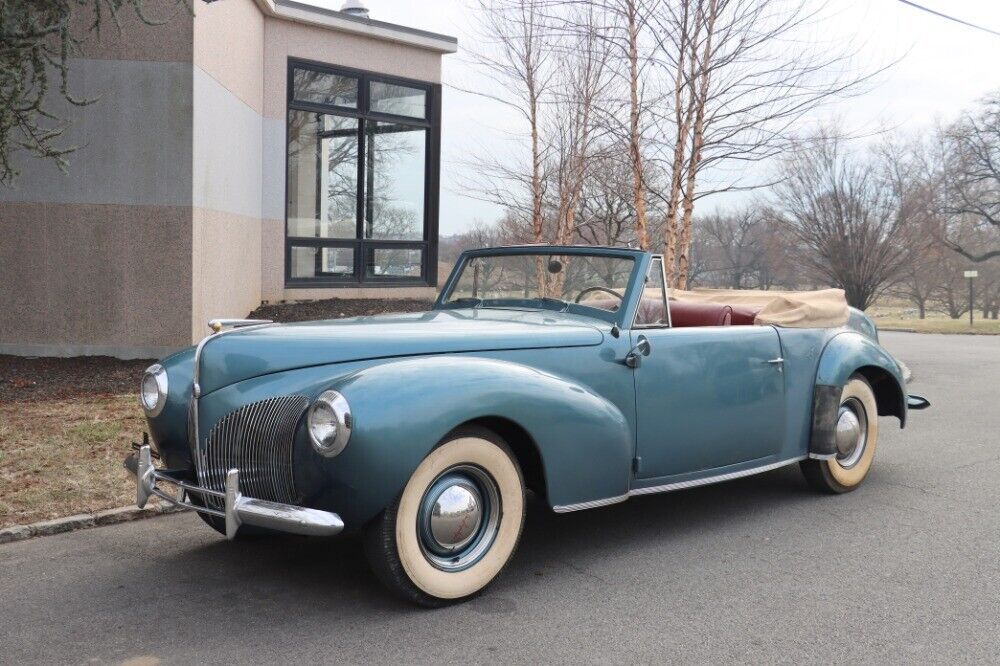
(640, 265)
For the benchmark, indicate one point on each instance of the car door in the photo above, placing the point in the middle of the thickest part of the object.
(706, 397)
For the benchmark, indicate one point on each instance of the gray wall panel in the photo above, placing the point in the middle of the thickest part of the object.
(134, 141)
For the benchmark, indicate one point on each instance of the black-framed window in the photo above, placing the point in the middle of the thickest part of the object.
(361, 178)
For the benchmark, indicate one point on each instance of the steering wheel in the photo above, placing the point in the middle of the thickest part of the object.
(620, 297)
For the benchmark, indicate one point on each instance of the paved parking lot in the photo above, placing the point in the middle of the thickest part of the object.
(903, 570)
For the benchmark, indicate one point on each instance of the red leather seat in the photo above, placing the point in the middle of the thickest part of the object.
(744, 316)
(683, 315)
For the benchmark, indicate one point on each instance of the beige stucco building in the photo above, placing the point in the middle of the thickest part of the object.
(259, 150)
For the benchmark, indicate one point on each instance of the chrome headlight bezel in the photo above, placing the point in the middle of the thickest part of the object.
(155, 376)
(329, 423)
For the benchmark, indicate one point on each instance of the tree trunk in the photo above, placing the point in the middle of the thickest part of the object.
(537, 227)
(682, 118)
(635, 150)
(697, 142)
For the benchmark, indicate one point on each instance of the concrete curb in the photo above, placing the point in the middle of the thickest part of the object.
(81, 521)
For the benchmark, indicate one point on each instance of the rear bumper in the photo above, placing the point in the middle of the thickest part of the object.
(238, 509)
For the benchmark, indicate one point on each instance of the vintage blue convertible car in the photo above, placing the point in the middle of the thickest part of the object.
(567, 371)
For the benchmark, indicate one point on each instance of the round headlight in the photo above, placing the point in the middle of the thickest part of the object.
(153, 390)
(330, 423)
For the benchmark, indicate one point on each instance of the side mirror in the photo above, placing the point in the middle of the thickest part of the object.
(917, 402)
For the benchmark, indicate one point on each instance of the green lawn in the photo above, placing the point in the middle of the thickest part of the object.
(896, 316)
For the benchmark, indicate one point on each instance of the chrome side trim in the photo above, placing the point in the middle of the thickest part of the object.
(567, 508)
(679, 485)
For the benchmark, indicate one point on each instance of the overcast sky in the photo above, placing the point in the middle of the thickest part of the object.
(944, 67)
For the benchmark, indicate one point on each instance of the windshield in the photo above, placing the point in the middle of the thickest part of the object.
(549, 281)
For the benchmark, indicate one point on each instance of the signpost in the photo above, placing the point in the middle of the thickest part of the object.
(971, 275)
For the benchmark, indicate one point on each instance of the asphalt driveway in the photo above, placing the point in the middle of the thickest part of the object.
(762, 569)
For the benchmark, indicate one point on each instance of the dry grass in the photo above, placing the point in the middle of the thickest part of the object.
(897, 316)
(62, 457)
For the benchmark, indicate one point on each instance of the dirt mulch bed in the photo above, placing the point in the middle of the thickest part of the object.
(23, 378)
(336, 308)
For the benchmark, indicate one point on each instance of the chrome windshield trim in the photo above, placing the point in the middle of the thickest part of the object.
(678, 485)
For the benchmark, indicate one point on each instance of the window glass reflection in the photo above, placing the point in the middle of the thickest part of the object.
(398, 100)
(314, 87)
(322, 175)
(395, 175)
(401, 263)
(310, 262)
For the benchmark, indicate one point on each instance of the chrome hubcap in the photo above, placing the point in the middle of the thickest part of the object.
(852, 433)
(459, 518)
(455, 516)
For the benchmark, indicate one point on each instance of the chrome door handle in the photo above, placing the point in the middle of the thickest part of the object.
(775, 361)
(634, 357)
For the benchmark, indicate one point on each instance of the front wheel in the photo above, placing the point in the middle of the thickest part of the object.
(455, 525)
(857, 435)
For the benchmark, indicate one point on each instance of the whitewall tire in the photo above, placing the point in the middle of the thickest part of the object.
(455, 525)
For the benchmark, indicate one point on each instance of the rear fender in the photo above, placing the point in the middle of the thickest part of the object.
(846, 354)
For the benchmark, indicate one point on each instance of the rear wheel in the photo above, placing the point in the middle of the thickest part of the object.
(857, 436)
(455, 525)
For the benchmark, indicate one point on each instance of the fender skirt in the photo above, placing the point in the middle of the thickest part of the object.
(826, 407)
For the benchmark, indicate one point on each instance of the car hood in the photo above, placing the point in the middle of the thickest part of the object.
(240, 355)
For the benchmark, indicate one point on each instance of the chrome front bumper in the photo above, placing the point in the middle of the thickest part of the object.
(239, 509)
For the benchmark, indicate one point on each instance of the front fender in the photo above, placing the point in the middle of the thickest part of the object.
(402, 409)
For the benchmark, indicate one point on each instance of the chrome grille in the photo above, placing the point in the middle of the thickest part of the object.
(257, 439)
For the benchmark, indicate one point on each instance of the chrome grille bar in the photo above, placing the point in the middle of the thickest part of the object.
(194, 430)
(257, 439)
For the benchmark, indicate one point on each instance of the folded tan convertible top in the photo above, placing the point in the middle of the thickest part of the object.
(825, 308)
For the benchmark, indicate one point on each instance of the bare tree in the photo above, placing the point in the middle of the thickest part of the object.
(846, 215)
(607, 212)
(681, 32)
(633, 20)
(973, 177)
(583, 83)
(738, 244)
(921, 277)
(951, 296)
(584, 62)
(739, 94)
(516, 54)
